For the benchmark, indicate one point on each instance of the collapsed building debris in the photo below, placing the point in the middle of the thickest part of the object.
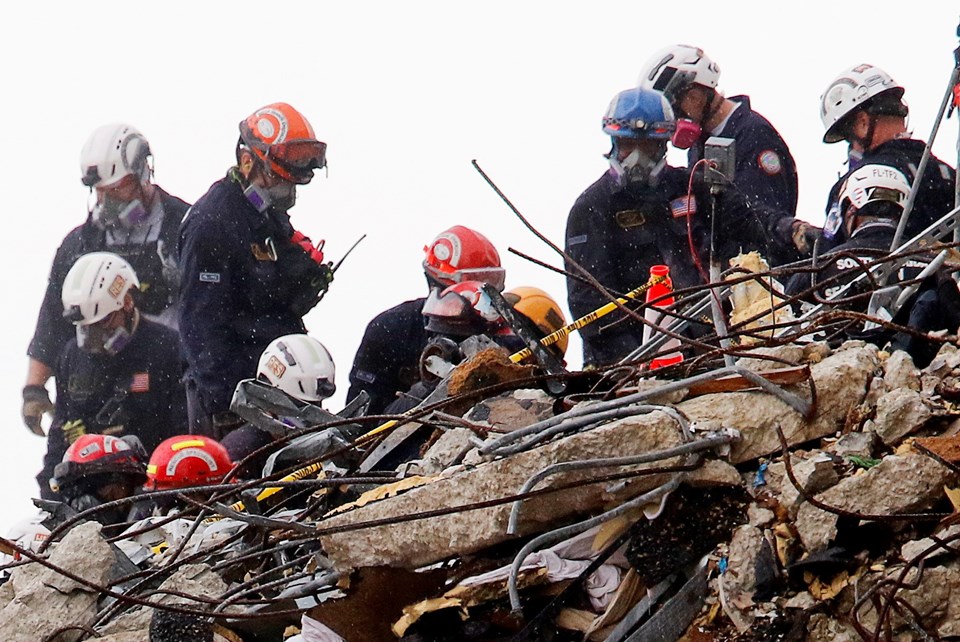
(805, 492)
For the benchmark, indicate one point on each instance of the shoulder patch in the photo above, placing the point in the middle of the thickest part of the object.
(769, 162)
(210, 277)
(576, 240)
(140, 382)
(683, 206)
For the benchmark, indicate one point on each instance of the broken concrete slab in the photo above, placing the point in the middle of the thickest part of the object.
(946, 362)
(714, 472)
(898, 484)
(936, 600)
(512, 410)
(447, 451)
(192, 579)
(841, 381)
(900, 373)
(791, 353)
(418, 543)
(815, 474)
(46, 600)
(854, 444)
(900, 412)
(738, 582)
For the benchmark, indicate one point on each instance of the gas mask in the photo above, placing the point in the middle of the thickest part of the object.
(99, 338)
(686, 134)
(281, 197)
(637, 167)
(110, 213)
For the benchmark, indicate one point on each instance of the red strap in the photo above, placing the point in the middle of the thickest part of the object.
(306, 244)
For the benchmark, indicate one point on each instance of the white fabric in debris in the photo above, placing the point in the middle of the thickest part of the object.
(566, 561)
(314, 631)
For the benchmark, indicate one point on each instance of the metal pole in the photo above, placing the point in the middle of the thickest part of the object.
(918, 178)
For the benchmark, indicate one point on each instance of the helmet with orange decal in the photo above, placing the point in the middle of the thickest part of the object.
(283, 141)
(187, 460)
(461, 254)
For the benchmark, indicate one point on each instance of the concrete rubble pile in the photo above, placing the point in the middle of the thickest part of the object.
(664, 509)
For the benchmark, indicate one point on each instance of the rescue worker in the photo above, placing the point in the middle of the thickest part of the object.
(301, 367)
(464, 310)
(185, 461)
(129, 216)
(387, 360)
(462, 321)
(864, 107)
(248, 276)
(634, 217)
(98, 469)
(121, 373)
(872, 200)
(757, 210)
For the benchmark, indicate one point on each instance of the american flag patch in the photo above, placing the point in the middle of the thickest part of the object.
(683, 206)
(141, 382)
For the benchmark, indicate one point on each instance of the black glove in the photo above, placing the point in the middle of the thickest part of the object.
(804, 236)
(36, 402)
(308, 275)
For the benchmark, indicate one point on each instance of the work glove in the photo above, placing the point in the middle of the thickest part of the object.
(36, 402)
(73, 430)
(313, 276)
(804, 236)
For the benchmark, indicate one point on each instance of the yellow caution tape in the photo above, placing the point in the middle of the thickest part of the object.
(588, 318)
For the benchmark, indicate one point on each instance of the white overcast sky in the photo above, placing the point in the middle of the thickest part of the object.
(405, 94)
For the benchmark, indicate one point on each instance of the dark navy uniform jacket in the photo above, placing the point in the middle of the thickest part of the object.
(845, 262)
(154, 262)
(936, 194)
(388, 359)
(756, 212)
(236, 290)
(138, 392)
(935, 306)
(617, 235)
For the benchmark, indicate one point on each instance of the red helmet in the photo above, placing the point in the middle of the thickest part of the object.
(461, 254)
(284, 142)
(187, 460)
(97, 454)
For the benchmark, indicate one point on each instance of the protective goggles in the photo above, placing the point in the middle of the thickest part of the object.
(455, 305)
(495, 276)
(296, 155)
(299, 155)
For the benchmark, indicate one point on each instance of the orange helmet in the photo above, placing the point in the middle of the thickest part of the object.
(187, 460)
(461, 254)
(284, 142)
(542, 309)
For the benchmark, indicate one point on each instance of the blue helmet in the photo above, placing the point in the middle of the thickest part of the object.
(639, 113)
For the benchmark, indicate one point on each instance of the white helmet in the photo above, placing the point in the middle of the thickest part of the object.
(300, 366)
(672, 69)
(852, 89)
(112, 152)
(96, 286)
(875, 183)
